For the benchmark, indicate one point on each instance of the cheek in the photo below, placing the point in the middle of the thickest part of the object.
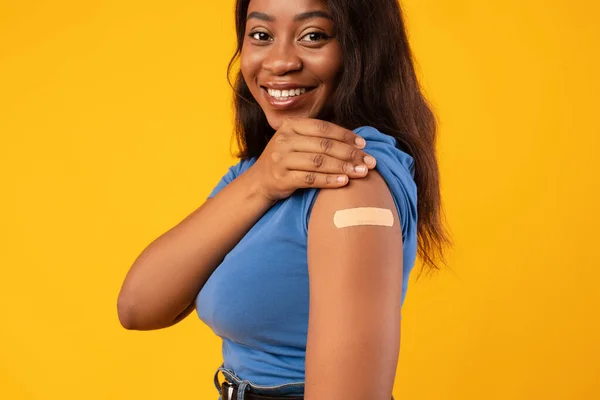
(327, 66)
(249, 64)
(335, 65)
(245, 66)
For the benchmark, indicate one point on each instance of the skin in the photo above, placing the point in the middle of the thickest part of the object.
(355, 272)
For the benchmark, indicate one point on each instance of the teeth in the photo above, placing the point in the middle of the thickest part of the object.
(284, 94)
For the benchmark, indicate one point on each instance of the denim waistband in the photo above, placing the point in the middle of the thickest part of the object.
(292, 388)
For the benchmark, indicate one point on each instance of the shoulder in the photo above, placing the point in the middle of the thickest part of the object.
(239, 168)
(392, 180)
(243, 164)
(232, 173)
(386, 147)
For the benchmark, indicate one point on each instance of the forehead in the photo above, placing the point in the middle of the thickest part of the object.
(286, 7)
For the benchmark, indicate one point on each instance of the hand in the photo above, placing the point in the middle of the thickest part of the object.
(307, 152)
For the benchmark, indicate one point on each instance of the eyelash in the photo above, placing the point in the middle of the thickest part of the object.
(323, 36)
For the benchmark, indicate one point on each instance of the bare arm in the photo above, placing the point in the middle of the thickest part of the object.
(355, 277)
(160, 288)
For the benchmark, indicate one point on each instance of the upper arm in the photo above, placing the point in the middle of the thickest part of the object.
(355, 278)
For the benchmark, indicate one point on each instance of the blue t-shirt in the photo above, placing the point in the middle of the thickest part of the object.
(257, 299)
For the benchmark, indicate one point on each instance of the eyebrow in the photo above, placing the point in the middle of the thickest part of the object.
(300, 17)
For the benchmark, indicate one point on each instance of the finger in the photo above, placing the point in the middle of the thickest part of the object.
(325, 129)
(323, 163)
(333, 148)
(307, 179)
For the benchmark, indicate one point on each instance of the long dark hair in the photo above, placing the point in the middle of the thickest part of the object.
(377, 87)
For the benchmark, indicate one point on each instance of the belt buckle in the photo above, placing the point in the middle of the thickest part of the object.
(229, 387)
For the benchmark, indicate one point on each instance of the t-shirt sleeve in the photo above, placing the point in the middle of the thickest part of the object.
(308, 201)
(233, 172)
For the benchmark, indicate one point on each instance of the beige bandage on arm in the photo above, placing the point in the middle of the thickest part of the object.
(363, 216)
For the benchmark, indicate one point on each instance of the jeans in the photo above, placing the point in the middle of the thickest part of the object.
(291, 389)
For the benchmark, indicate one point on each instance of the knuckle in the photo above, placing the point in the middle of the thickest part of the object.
(310, 178)
(281, 138)
(348, 137)
(326, 145)
(282, 135)
(318, 160)
(322, 126)
(276, 156)
(346, 167)
(328, 179)
(353, 153)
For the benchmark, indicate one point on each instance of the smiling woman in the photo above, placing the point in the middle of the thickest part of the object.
(300, 258)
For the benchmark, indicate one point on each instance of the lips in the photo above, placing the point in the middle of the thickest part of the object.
(285, 93)
(286, 96)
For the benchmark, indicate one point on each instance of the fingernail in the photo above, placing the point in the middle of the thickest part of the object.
(361, 169)
(360, 142)
(369, 160)
(341, 179)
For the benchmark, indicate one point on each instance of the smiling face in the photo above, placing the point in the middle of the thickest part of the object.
(290, 59)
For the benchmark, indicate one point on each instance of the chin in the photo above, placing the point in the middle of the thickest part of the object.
(275, 120)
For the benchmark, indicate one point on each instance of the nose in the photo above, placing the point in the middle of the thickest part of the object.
(282, 59)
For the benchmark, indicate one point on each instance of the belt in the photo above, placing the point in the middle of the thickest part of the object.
(230, 392)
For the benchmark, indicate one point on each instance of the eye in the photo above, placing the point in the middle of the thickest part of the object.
(314, 37)
(262, 36)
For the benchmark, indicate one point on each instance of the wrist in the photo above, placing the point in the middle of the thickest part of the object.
(256, 188)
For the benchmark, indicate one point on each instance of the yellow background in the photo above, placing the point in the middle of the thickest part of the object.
(115, 123)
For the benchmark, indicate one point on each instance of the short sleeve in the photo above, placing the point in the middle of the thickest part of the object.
(233, 172)
(308, 200)
(397, 170)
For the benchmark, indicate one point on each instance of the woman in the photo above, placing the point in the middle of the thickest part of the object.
(336, 141)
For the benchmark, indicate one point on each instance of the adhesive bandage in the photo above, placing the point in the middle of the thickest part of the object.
(363, 216)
